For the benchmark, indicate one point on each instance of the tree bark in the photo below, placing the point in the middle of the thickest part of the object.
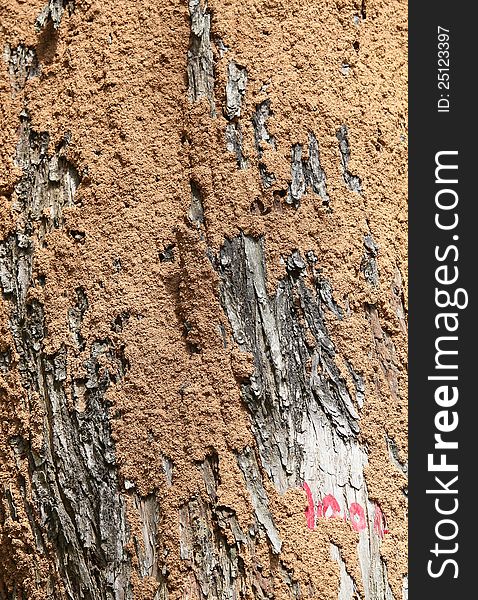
(203, 324)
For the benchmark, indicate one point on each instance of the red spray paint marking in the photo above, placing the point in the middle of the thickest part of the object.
(379, 522)
(310, 510)
(330, 507)
(357, 517)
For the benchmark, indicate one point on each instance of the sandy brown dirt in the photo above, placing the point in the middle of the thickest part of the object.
(114, 77)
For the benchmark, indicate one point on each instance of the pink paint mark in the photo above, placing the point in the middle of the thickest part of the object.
(357, 517)
(330, 507)
(379, 522)
(310, 510)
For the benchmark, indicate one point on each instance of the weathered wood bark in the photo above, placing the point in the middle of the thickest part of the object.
(203, 351)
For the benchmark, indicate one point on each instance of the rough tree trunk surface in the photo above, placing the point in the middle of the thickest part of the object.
(203, 315)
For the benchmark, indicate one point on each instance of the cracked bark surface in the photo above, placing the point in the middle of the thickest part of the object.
(53, 11)
(68, 485)
(22, 65)
(73, 504)
(352, 181)
(304, 417)
(200, 56)
(307, 173)
(203, 317)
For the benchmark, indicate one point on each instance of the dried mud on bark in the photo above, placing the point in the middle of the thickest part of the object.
(203, 317)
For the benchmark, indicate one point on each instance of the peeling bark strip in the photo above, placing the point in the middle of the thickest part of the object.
(146, 544)
(385, 350)
(47, 186)
(394, 457)
(74, 507)
(261, 134)
(250, 469)
(259, 121)
(210, 539)
(271, 327)
(353, 182)
(22, 65)
(307, 174)
(234, 143)
(398, 300)
(218, 570)
(235, 90)
(224, 560)
(148, 510)
(303, 416)
(74, 480)
(53, 11)
(200, 56)
(196, 208)
(369, 261)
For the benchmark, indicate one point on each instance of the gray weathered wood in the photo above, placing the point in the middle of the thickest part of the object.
(305, 420)
(353, 182)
